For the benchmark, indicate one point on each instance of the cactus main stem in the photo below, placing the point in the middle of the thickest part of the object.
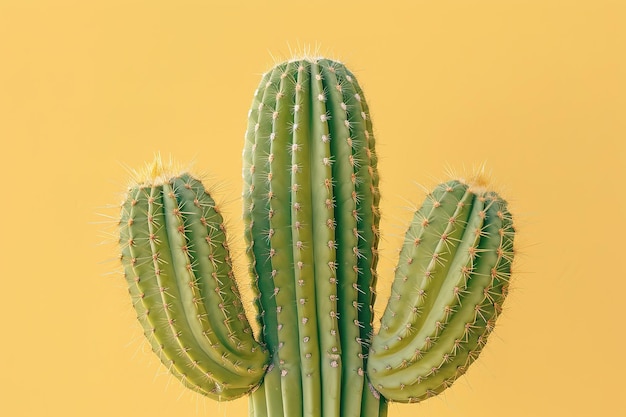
(311, 189)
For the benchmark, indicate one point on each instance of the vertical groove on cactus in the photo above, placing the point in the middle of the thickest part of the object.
(353, 205)
(281, 257)
(303, 194)
(258, 237)
(325, 236)
(368, 242)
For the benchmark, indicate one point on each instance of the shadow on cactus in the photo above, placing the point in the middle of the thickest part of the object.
(311, 220)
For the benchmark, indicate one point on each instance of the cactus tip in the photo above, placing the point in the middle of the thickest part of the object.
(155, 168)
(478, 179)
(157, 171)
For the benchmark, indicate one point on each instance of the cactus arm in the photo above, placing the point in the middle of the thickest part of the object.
(159, 255)
(424, 332)
(453, 266)
(479, 309)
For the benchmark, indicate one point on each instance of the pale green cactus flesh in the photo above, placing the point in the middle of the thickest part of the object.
(311, 226)
(451, 280)
(179, 276)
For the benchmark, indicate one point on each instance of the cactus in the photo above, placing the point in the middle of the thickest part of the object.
(312, 230)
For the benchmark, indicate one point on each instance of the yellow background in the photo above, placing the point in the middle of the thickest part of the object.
(536, 89)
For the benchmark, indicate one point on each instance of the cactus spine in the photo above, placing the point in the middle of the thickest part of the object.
(311, 220)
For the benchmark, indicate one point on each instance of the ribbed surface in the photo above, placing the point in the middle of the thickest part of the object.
(179, 275)
(310, 205)
(451, 280)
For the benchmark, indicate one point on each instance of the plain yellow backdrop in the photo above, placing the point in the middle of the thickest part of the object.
(536, 90)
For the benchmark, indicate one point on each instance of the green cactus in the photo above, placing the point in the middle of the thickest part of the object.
(311, 224)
